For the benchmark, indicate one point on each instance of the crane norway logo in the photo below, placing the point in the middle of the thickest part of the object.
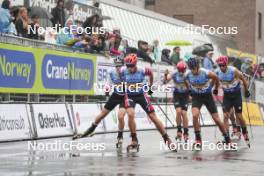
(51, 121)
(12, 124)
(62, 72)
(17, 69)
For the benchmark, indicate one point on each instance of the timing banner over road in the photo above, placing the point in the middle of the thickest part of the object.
(44, 71)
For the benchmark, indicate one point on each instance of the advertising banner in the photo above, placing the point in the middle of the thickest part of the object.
(51, 120)
(14, 122)
(44, 71)
(252, 114)
(236, 53)
(84, 115)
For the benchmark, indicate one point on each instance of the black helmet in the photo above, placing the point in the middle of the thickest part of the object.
(193, 63)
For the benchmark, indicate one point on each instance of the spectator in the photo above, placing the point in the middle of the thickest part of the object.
(142, 46)
(65, 35)
(175, 57)
(157, 51)
(208, 61)
(22, 22)
(98, 43)
(5, 17)
(58, 14)
(51, 35)
(246, 67)
(123, 47)
(165, 56)
(34, 25)
(150, 53)
(90, 23)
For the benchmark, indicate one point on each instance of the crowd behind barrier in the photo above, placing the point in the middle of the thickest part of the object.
(38, 121)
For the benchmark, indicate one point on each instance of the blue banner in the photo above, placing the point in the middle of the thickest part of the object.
(17, 69)
(72, 73)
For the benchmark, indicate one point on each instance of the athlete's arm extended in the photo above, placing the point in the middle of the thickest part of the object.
(215, 79)
(239, 75)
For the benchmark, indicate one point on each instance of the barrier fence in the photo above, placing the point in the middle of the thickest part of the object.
(37, 121)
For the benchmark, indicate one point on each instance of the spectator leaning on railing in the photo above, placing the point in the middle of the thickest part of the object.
(6, 19)
(22, 22)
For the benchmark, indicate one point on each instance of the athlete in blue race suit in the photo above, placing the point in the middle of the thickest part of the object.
(230, 79)
(115, 81)
(180, 99)
(136, 94)
(201, 82)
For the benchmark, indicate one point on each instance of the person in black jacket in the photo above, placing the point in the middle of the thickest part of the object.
(165, 56)
(58, 14)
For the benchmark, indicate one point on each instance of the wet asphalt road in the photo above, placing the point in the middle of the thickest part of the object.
(102, 158)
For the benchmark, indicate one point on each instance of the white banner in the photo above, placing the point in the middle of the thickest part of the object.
(84, 115)
(259, 92)
(14, 122)
(103, 66)
(51, 120)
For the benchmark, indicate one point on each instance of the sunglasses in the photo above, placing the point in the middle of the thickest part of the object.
(130, 66)
(222, 65)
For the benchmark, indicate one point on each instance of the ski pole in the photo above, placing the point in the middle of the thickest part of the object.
(156, 102)
(249, 121)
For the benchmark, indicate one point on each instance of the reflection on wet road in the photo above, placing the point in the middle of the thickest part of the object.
(102, 158)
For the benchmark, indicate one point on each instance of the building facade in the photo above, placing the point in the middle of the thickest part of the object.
(246, 15)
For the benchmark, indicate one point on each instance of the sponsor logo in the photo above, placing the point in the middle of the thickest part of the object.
(61, 72)
(11, 124)
(51, 121)
(17, 69)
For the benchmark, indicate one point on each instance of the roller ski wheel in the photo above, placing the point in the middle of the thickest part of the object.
(172, 146)
(119, 143)
(246, 138)
(79, 136)
(185, 138)
(133, 147)
(178, 137)
(197, 145)
(236, 135)
(228, 146)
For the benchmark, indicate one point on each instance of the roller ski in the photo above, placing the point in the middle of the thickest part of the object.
(119, 141)
(87, 133)
(227, 145)
(179, 136)
(197, 145)
(185, 138)
(169, 143)
(236, 134)
(83, 135)
(246, 138)
(134, 146)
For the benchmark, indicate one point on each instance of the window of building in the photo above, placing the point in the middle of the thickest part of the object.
(186, 18)
(259, 25)
(150, 2)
